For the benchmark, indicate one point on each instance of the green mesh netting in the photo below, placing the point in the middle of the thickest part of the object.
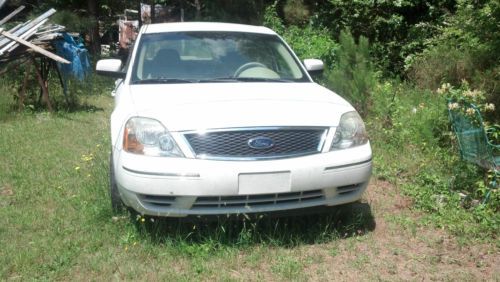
(468, 126)
(473, 139)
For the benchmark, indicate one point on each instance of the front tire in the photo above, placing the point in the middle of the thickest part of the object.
(116, 201)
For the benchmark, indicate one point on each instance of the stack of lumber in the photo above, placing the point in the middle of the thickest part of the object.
(23, 39)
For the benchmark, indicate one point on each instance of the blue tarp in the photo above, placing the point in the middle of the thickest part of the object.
(76, 53)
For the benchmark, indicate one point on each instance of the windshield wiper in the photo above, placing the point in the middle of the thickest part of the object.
(163, 80)
(244, 79)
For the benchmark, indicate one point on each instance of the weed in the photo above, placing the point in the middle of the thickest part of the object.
(288, 267)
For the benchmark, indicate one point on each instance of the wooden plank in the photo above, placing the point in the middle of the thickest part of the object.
(11, 46)
(34, 47)
(12, 30)
(11, 15)
(29, 25)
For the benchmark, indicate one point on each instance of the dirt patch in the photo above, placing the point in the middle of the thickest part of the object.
(399, 251)
(398, 248)
(6, 190)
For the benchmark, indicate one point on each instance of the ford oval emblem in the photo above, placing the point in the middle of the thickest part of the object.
(261, 143)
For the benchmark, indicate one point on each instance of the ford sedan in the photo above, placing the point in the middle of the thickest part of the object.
(217, 119)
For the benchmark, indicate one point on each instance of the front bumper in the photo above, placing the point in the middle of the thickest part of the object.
(179, 187)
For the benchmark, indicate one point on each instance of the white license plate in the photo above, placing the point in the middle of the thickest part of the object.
(264, 183)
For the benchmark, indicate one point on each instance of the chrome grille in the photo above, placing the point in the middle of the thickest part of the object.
(287, 142)
(253, 201)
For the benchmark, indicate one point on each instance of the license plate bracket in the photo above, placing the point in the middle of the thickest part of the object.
(264, 183)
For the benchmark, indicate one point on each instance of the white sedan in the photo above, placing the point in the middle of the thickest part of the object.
(216, 119)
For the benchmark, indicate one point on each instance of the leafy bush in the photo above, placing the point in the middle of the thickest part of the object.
(353, 76)
(307, 41)
(467, 48)
(396, 29)
(438, 64)
(272, 19)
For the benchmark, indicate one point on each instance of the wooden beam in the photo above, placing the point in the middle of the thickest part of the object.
(34, 47)
(11, 15)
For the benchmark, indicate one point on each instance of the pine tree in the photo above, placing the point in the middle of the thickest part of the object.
(353, 77)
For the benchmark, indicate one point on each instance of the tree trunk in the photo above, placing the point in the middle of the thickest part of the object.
(197, 5)
(43, 85)
(95, 39)
(153, 11)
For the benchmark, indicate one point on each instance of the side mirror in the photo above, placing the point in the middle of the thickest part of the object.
(110, 67)
(314, 66)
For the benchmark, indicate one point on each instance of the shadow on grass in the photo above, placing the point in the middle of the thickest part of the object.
(11, 111)
(74, 105)
(286, 231)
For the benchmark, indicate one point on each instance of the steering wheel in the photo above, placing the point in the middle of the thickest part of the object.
(246, 66)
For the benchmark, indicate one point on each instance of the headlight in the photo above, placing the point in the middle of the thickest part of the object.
(350, 133)
(145, 136)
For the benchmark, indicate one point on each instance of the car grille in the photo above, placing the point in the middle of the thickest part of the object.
(287, 142)
(253, 201)
(240, 201)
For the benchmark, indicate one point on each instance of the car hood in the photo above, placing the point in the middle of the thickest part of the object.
(201, 106)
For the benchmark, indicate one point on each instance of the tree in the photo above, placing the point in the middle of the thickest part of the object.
(353, 77)
(95, 42)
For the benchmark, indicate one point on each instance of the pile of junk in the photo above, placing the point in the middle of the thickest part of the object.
(40, 47)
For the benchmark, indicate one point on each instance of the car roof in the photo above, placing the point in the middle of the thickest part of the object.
(204, 26)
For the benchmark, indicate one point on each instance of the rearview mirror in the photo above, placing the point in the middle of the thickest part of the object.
(110, 67)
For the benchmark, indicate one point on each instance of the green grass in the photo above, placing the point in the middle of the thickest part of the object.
(56, 220)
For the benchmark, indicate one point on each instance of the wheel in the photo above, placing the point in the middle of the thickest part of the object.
(116, 201)
(246, 66)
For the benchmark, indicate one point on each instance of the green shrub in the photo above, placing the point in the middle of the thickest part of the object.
(307, 41)
(353, 76)
(438, 64)
(272, 19)
(467, 48)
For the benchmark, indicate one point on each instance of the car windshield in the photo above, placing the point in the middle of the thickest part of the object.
(187, 57)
